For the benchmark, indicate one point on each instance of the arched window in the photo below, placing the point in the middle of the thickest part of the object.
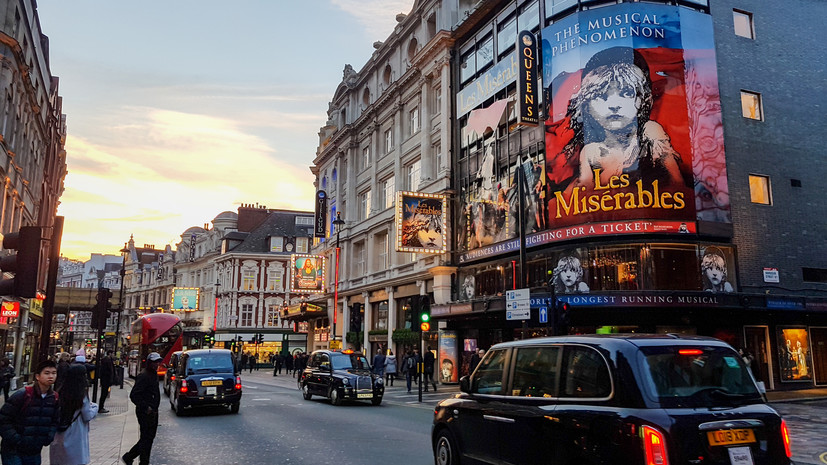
(386, 76)
(366, 97)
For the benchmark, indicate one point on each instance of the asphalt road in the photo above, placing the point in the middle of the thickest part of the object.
(807, 422)
(276, 425)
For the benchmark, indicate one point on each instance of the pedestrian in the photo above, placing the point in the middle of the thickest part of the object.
(62, 365)
(475, 360)
(287, 362)
(6, 375)
(107, 378)
(428, 368)
(252, 361)
(71, 444)
(411, 365)
(28, 421)
(244, 359)
(390, 367)
(147, 397)
(279, 363)
(379, 363)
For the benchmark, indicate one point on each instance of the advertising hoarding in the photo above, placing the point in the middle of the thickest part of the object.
(307, 274)
(634, 130)
(421, 222)
(185, 299)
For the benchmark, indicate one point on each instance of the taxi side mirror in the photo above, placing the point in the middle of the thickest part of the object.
(465, 384)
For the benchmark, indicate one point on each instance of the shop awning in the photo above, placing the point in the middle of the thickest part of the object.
(304, 311)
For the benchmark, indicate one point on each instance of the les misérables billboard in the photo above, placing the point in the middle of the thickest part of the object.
(634, 138)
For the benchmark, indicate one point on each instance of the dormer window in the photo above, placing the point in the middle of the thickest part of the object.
(277, 244)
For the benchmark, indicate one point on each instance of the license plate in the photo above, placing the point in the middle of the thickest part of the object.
(364, 396)
(211, 391)
(740, 456)
(729, 437)
(213, 382)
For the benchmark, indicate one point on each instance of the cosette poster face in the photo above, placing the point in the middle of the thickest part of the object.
(634, 133)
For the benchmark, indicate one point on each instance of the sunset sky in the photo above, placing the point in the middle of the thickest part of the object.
(179, 110)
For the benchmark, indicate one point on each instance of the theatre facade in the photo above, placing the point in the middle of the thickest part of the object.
(644, 197)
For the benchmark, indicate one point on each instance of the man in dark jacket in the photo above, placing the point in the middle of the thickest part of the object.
(107, 378)
(147, 397)
(428, 369)
(28, 421)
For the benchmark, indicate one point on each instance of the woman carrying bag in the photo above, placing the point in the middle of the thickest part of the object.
(71, 444)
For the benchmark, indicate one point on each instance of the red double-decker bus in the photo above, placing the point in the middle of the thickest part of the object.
(156, 332)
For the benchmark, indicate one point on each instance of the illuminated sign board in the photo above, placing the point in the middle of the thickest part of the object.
(307, 274)
(185, 299)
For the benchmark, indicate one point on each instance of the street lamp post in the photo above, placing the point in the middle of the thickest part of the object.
(338, 223)
(215, 316)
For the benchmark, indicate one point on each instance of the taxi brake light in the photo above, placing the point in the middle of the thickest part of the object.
(785, 434)
(654, 446)
(238, 383)
(184, 388)
(690, 352)
(348, 351)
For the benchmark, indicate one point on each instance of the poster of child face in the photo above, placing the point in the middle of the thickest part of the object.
(716, 264)
(467, 287)
(635, 127)
(421, 222)
(307, 273)
(569, 274)
(794, 354)
(447, 360)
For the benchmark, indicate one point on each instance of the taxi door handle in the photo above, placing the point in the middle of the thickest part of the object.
(496, 418)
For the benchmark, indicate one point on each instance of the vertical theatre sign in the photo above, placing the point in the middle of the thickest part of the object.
(320, 223)
(527, 80)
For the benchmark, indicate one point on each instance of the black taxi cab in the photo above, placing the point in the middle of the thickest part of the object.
(619, 399)
(205, 377)
(341, 376)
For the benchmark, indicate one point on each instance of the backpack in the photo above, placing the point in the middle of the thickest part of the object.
(410, 364)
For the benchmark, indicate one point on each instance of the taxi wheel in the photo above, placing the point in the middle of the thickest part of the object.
(306, 392)
(446, 451)
(335, 398)
(376, 401)
(235, 407)
(179, 411)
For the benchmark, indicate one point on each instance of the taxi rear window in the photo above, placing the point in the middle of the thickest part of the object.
(691, 376)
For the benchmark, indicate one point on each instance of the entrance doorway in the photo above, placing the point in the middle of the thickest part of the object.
(757, 342)
(818, 345)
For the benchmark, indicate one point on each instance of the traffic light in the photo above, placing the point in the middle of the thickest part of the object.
(260, 339)
(210, 338)
(253, 339)
(424, 313)
(562, 317)
(101, 311)
(25, 264)
(356, 318)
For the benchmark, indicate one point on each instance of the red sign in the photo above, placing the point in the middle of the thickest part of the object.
(10, 309)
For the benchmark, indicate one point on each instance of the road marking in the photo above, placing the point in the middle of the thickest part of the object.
(261, 399)
(823, 457)
(249, 387)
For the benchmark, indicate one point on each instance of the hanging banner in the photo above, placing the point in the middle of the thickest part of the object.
(421, 222)
(527, 80)
(634, 129)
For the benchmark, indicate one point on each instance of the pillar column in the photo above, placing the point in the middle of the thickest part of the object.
(368, 322)
(391, 315)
